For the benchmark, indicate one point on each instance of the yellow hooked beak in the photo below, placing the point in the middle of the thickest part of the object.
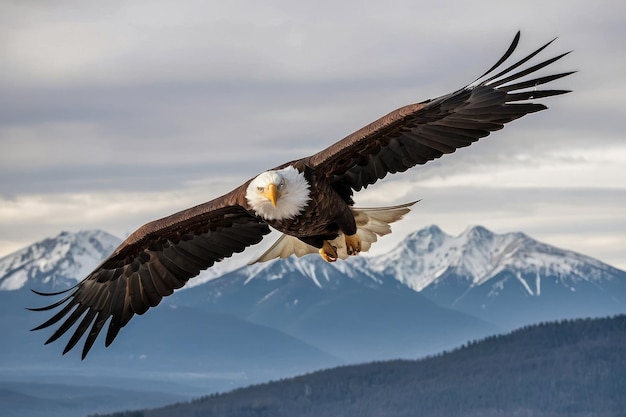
(272, 194)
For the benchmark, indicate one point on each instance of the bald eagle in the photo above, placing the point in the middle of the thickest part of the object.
(308, 200)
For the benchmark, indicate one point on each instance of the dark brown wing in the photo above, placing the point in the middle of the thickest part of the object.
(418, 133)
(154, 261)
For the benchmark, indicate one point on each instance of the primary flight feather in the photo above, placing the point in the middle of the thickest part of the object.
(308, 200)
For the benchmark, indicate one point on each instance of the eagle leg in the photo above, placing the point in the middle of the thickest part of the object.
(353, 244)
(328, 252)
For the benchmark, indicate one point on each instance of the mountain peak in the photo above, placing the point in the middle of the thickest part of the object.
(477, 255)
(56, 263)
(421, 241)
(432, 230)
(477, 232)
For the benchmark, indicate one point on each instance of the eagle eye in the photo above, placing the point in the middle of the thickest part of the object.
(260, 189)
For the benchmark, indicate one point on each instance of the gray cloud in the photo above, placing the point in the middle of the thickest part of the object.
(148, 97)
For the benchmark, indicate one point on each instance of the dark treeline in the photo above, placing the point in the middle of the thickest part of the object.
(571, 368)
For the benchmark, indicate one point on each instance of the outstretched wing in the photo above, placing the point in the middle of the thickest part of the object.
(154, 261)
(421, 132)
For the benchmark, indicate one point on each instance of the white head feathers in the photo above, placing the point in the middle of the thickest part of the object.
(292, 194)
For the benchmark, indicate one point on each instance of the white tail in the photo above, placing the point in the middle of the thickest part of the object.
(370, 223)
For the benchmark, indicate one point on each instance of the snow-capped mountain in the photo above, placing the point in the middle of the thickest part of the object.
(509, 279)
(55, 263)
(479, 255)
(479, 273)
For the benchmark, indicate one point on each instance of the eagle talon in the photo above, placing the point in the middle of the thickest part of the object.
(328, 252)
(353, 244)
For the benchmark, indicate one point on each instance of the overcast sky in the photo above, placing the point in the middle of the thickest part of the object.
(115, 113)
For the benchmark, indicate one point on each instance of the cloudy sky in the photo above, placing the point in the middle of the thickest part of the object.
(115, 113)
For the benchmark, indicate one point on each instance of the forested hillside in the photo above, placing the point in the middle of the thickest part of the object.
(570, 368)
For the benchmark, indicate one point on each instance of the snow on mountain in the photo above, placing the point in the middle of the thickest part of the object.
(321, 273)
(61, 261)
(478, 255)
(56, 262)
(508, 280)
(475, 256)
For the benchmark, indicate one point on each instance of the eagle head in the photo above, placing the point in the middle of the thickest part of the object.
(278, 194)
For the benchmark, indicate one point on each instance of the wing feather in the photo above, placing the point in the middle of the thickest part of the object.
(421, 132)
(58, 316)
(80, 330)
(149, 294)
(150, 264)
(98, 324)
(69, 322)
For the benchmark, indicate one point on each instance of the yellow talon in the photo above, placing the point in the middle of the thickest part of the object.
(353, 244)
(328, 252)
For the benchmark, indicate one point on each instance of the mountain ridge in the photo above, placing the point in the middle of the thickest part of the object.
(505, 280)
(499, 252)
(418, 261)
(573, 368)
